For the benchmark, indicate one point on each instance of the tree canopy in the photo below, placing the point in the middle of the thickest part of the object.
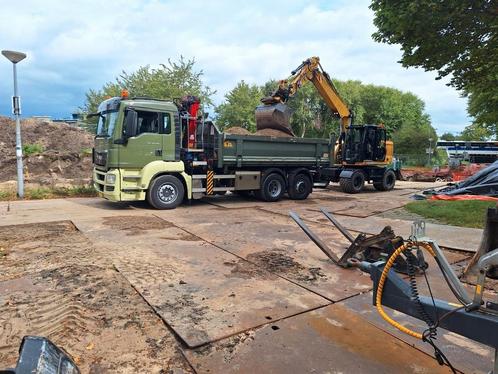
(238, 107)
(458, 39)
(402, 113)
(172, 80)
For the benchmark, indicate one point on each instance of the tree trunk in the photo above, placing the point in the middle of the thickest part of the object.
(489, 242)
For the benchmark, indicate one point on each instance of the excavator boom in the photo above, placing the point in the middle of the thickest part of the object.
(273, 113)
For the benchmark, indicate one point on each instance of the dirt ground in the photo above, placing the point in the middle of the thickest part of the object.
(65, 159)
(54, 283)
(222, 285)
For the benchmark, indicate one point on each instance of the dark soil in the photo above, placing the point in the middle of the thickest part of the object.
(280, 263)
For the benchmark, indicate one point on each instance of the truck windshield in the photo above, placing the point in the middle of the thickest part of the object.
(107, 120)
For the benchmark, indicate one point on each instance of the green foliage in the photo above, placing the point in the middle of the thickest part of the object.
(458, 39)
(466, 213)
(239, 106)
(474, 132)
(32, 149)
(50, 193)
(448, 136)
(402, 113)
(483, 106)
(172, 80)
(7, 195)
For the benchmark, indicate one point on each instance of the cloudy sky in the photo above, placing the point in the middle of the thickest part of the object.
(76, 45)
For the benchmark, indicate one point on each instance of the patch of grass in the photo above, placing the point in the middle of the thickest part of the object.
(81, 191)
(37, 194)
(465, 213)
(32, 149)
(85, 152)
(7, 195)
(50, 193)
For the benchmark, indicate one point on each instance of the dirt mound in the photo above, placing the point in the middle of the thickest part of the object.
(60, 153)
(273, 132)
(237, 130)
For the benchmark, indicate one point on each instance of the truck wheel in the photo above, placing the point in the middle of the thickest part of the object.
(353, 184)
(272, 189)
(165, 192)
(388, 181)
(300, 186)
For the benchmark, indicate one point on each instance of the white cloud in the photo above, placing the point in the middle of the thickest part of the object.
(73, 46)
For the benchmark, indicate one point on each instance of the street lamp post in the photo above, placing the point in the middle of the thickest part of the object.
(16, 57)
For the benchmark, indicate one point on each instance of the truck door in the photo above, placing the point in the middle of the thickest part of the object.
(153, 134)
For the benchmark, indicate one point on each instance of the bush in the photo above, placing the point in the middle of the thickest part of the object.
(32, 149)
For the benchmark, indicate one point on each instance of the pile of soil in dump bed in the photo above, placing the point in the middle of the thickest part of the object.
(65, 159)
(236, 130)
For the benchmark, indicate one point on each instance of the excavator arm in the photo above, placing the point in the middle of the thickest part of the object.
(309, 70)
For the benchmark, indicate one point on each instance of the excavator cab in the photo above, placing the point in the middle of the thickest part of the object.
(364, 143)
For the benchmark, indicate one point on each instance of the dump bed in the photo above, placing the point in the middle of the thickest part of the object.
(255, 151)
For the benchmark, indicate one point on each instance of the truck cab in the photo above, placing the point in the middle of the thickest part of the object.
(135, 139)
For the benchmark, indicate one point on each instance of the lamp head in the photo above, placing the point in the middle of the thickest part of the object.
(14, 56)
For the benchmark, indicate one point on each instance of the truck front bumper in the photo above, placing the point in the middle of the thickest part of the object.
(107, 184)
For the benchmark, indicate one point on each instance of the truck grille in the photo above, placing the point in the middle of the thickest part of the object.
(100, 158)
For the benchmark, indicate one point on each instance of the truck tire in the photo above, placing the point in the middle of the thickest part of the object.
(388, 181)
(272, 188)
(300, 186)
(165, 192)
(354, 184)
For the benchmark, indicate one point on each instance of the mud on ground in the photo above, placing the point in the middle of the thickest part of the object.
(54, 283)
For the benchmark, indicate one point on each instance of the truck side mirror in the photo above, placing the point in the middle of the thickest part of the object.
(130, 124)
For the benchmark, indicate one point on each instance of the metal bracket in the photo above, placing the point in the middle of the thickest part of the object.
(418, 229)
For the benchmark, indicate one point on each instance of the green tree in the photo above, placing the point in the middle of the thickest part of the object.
(239, 107)
(474, 132)
(458, 39)
(402, 113)
(486, 116)
(448, 136)
(172, 80)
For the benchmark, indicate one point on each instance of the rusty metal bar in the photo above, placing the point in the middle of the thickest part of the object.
(336, 223)
(325, 249)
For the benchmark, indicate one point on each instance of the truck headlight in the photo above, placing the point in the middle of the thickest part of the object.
(110, 178)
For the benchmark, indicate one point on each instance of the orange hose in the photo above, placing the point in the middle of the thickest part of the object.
(382, 280)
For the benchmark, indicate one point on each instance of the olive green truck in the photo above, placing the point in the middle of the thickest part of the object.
(164, 152)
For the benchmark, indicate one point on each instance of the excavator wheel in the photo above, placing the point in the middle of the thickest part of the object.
(354, 184)
(387, 182)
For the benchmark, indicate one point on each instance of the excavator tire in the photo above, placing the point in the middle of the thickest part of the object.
(387, 182)
(353, 184)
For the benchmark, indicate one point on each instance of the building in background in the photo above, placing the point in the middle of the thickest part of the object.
(474, 152)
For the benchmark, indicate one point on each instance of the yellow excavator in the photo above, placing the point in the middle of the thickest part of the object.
(362, 153)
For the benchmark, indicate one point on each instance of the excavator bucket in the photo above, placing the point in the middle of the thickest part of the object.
(274, 116)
